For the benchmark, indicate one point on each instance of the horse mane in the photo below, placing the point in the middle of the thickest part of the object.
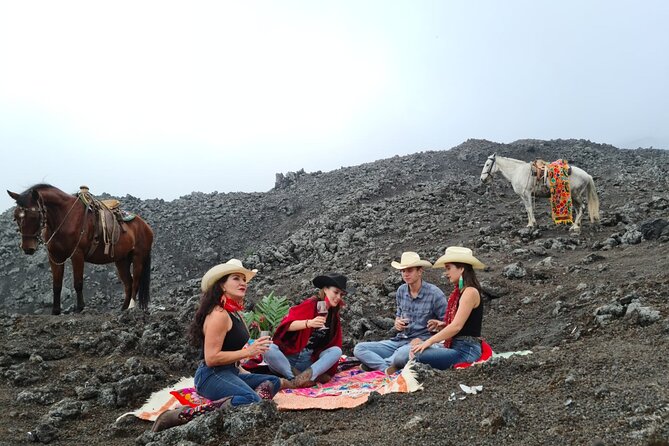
(514, 160)
(38, 186)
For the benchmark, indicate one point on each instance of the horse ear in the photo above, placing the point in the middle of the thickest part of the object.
(14, 195)
(35, 194)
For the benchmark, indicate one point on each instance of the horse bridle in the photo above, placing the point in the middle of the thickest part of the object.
(23, 211)
(41, 210)
(492, 157)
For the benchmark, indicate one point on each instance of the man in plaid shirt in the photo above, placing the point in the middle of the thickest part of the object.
(417, 302)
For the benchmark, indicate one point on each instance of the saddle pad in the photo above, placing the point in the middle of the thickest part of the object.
(558, 184)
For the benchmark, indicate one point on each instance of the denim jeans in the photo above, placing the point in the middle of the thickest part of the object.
(215, 383)
(282, 364)
(381, 354)
(443, 358)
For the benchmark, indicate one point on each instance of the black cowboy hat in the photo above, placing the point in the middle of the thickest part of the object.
(331, 279)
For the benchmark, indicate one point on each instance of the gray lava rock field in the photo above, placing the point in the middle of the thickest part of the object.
(592, 307)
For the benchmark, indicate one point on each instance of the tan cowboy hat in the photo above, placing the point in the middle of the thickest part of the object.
(229, 267)
(458, 254)
(410, 259)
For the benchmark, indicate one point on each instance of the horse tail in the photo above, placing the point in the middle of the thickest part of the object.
(143, 295)
(593, 201)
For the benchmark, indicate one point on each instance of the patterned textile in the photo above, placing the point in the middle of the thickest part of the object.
(188, 413)
(558, 184)
(451, 310)
(189, 397)
(349, 388)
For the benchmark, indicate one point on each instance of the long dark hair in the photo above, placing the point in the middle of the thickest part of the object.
(209, 300)
(468, 276)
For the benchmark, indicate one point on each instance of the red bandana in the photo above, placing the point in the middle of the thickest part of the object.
(453, 302)
(232, 305)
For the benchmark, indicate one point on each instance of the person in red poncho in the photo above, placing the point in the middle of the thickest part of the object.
(307, 346)
(458, 337)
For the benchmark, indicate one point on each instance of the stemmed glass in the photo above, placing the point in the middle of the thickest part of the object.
(406, 318)
(322, 309)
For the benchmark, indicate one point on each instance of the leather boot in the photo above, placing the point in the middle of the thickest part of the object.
(286, 384)
(168, 419)
(324, 378)
(265, 390)
(303, 379)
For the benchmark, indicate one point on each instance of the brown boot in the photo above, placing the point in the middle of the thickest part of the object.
(168, 419)
(265, 390)
(303, 379)
(391, 370)
(286, 384)
(324, 378)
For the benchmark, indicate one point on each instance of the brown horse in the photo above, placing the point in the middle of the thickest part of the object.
(68, 226)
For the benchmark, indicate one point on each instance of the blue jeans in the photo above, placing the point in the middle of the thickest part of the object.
(282, 364)
(381, 354)
(443, 358)
(215, 383)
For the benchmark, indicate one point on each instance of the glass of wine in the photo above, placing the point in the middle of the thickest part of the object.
(322, 309)
(406, 318)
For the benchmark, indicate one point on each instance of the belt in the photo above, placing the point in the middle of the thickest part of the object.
(473, 339)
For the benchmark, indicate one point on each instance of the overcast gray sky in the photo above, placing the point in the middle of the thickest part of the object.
(159, 99)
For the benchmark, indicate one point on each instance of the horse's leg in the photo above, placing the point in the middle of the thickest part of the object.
(137, 269)
(579, 206)
(527, 201)
(57, 279)
(78, 276)
(123, 268)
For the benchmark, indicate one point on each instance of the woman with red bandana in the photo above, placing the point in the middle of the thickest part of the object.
(307, 346)
(219, 331)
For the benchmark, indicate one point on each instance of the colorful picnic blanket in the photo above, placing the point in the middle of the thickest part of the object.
(558, 184)
(349, 388)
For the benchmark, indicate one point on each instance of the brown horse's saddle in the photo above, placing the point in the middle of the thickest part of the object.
(109, 220)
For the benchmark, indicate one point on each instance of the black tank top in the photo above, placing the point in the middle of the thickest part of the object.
(473, 325)
(235, 339)
(238, 336)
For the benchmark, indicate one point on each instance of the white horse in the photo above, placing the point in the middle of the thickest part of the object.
(526, 185)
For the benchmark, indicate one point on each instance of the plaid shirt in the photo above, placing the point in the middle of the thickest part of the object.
(429, 304)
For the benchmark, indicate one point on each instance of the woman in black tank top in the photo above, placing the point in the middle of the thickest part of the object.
(218, 329)
(458, 337)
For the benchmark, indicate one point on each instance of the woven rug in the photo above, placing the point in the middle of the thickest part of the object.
(558, 184)
(347, 389)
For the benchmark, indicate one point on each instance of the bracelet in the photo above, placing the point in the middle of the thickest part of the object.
(306, 323)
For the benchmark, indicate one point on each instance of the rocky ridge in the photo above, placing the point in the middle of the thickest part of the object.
(592, 307)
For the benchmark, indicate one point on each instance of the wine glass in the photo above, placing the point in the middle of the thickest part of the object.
(322, 309)
(406, 318)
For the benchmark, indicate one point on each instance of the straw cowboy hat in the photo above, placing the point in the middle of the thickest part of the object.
(410, 259)
(330, 279)
(229, 267)
(458, 254)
